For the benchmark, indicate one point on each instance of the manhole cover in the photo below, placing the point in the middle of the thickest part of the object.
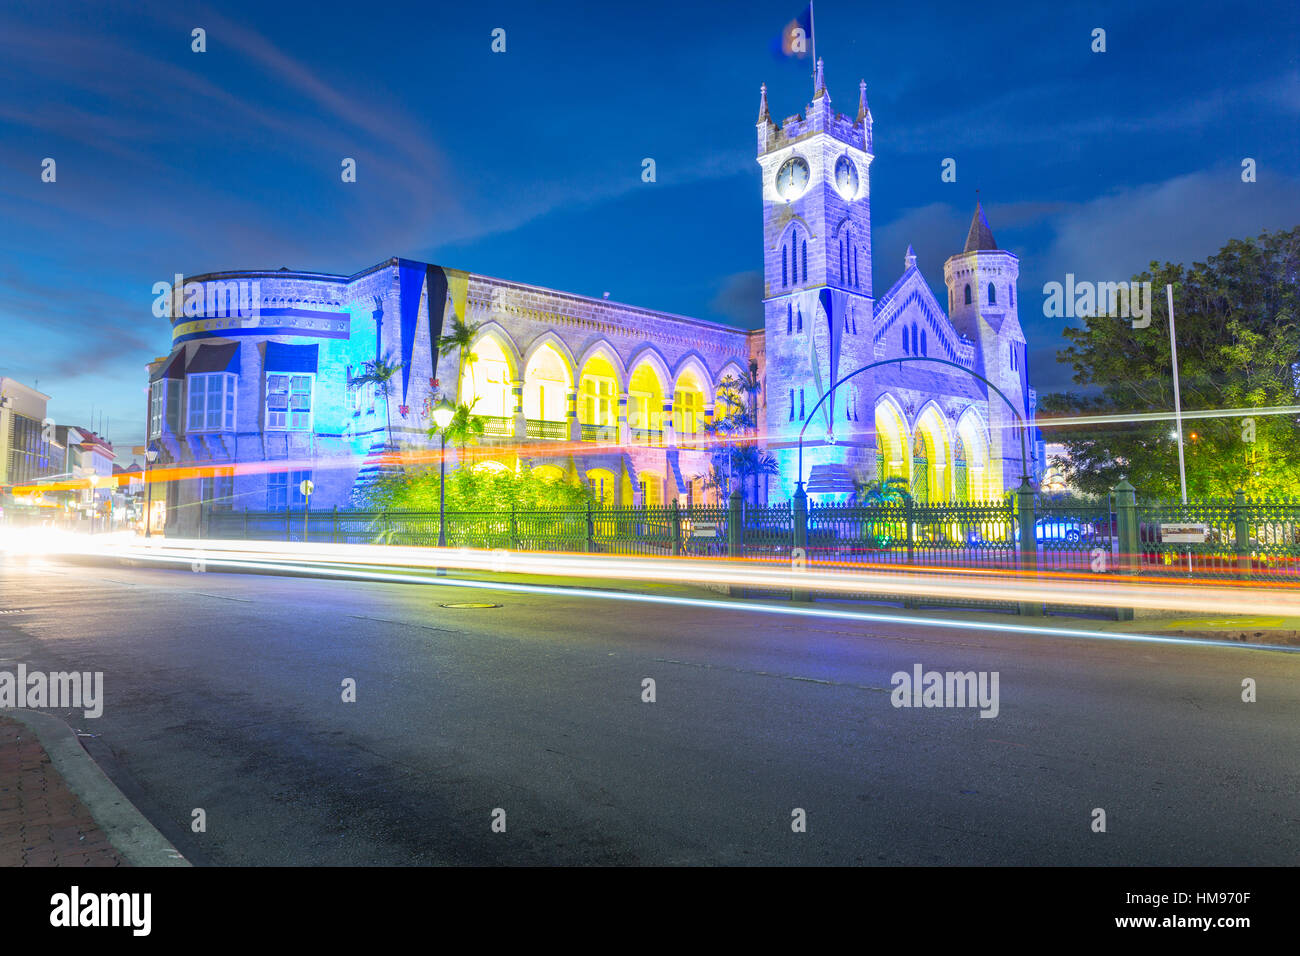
(469, 604)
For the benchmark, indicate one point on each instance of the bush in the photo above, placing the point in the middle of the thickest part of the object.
(478, 489)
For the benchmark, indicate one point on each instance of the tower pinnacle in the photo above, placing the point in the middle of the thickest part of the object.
(819, 81)
(864, 111)
(763, 115)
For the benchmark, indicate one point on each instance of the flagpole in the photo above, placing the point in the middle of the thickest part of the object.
(812, 29)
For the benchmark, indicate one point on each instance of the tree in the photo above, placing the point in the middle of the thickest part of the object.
(380, 373)
(460, 340)
(893, 490)
(750, 461)
(1238, 326)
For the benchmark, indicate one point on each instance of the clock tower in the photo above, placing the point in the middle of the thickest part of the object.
(818, 302)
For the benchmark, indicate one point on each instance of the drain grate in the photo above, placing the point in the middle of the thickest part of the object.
(469, 604)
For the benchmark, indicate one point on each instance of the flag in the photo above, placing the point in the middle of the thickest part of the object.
(796, 39)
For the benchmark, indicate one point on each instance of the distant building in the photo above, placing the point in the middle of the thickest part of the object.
(89, 457)
(28, 450)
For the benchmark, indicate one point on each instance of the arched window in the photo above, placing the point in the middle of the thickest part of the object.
(798, 317)
(916, 350)
(993, 294)
(968, 293)
(906, 343)
(853, 263)
(925, 349)
(842, 276)
(805, 260)
(1011, 295)
(785, 267)
(792, 404)
(789, 318)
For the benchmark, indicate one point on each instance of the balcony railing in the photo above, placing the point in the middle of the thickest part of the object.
(606, 434)
(495, 427)
(547, 431)
(646, 436)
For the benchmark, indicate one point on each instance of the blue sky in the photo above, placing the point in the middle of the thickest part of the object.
(527, 164)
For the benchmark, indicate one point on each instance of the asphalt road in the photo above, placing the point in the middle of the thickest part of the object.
(224, 692)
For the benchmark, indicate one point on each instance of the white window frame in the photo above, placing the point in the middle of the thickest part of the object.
(226, 411)
(290, 419)
(598, 397)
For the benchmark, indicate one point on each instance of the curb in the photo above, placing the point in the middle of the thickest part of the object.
(134, 837)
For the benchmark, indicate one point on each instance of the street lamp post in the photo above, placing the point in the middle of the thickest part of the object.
(149, 456)
(443, 413)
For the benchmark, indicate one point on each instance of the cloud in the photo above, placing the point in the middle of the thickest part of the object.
(739, 300)
(1184, 219)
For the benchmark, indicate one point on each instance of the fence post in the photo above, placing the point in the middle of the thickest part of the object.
(1028, 524)
(799, 539)
(245, 522)
(735, 536)
(1126, 529)
(677, 529)
(735, 526)
(591, 531)
(334, 526)
(288, 515)
(514, 530)
(1241, 532)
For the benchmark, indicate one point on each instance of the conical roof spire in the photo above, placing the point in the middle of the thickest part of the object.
(819, 82)
(909, 260)
(980, 237)
(763, 115)
(864, 111)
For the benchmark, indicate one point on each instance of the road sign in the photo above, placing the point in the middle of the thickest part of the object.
(1182, 532)
(306, 487)
(704, 529)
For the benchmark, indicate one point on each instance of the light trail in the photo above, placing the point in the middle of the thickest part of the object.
(1069, 589)
(720, 605)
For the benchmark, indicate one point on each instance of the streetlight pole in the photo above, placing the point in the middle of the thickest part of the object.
(443, 413)
(442, 492)
(149, 457)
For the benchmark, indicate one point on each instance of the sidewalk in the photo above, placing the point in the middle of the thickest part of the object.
(42, 822)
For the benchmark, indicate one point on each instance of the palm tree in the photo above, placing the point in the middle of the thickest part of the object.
(749, 383)
(380, 373)
(749, 460)
(887, 491)
(460, 339)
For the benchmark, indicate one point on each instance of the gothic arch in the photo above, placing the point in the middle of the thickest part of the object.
(893, 439)
(551, 338)
(692, 361)
(603, 347)
(650, 355)
(497, 332)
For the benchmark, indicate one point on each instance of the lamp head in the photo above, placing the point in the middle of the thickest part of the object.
(151, 455)
(443, 413)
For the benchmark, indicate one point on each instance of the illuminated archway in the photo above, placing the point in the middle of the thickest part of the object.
(892, 458)
(546, 385)
(645, 403)
(931, 457)
(604, 485)
(972, 464)
(485, 380)
(689, 396)
(599, 386)
(652, 489)
(549, 472)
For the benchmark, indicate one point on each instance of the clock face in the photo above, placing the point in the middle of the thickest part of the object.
(792, 177)
(846, 177)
